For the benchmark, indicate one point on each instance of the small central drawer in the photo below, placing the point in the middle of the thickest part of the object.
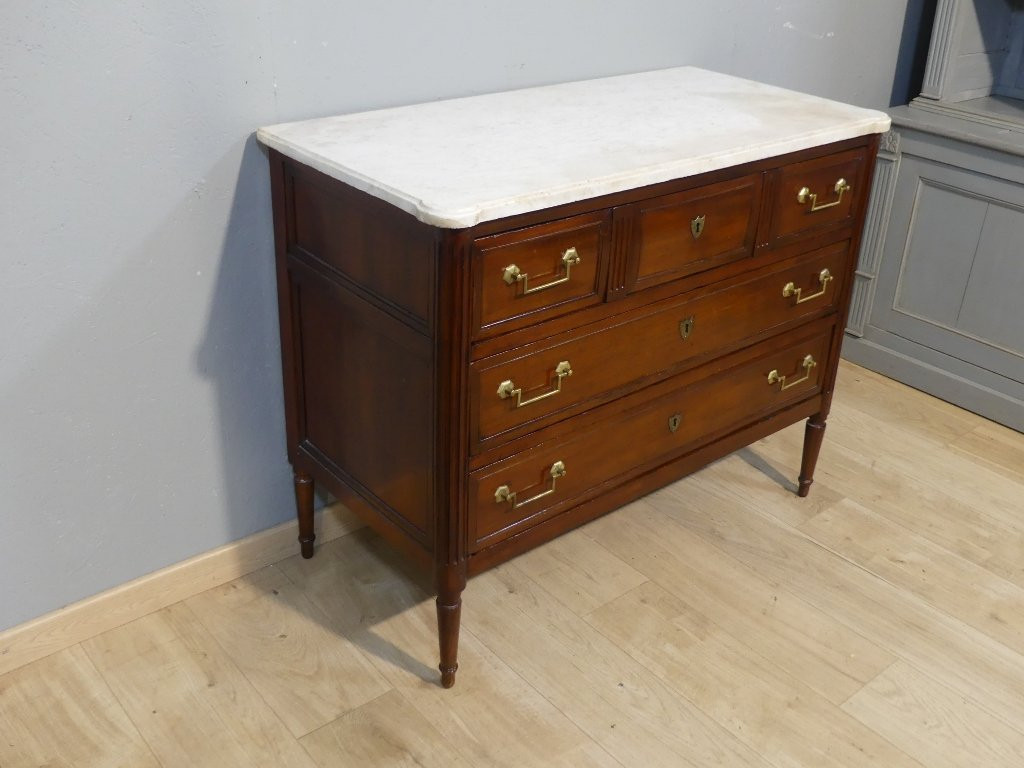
(678, 235)
(536, 273)
(526, 388)
(534, 485)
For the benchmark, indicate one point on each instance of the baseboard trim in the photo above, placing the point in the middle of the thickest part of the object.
(937, 374)
(60, 629)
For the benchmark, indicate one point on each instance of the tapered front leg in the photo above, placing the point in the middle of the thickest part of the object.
(304, 510)
(451, 581)
(813, 435)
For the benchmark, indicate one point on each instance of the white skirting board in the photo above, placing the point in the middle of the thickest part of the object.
(87, 618)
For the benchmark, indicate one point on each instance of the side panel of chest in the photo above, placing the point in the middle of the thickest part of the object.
(357, 302)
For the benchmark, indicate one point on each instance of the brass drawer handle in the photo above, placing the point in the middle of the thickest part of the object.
(508, 388)
(504, 494)
(774, 377)
(513, 274)
(805, 194)
(790, 289)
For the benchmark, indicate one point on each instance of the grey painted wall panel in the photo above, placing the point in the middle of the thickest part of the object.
(973, 42)
(140, 403)
(975, 74)
(982, 48)
(986, 27)
(1012, 76)
(937, 262)
(993, 306)
(911, 300)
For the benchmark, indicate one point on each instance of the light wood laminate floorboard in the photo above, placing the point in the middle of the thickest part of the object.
(386, 731)
(190, 702)
(765, 708)
(934, 723)
(807, 643)
(720, 621)
(995, 446)
(58, 711)
(493, 717)
(288, 649)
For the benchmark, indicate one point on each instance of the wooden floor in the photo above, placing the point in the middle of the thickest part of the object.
(722, 621)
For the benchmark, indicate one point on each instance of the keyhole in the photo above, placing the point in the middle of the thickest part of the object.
(686, 327)
(697, 227)
(674, 421)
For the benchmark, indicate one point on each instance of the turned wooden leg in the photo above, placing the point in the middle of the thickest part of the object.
(813, 434)
(451, 582)
(304, 509)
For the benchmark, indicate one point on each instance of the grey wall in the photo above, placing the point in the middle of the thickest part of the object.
(140, 403)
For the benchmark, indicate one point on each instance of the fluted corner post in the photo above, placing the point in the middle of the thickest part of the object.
(451, 514)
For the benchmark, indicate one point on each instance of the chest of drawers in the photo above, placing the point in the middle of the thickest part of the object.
(516, 333)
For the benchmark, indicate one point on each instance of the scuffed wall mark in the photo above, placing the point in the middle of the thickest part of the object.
(139, 342)
(807, 33)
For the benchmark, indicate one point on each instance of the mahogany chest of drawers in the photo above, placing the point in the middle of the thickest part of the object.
(475, 389)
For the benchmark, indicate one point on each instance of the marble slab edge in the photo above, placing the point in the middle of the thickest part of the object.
(500, 208)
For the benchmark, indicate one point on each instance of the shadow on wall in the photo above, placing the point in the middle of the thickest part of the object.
(913, 52)
(145, 478)
(240, 353)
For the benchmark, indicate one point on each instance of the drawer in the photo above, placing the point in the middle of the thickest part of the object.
(817, 193)
(524, 388)
(539, 272)
(534, 485)
(681, 234)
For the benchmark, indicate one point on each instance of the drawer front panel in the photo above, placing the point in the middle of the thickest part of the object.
(817, 193)
(536, 273)
(526, 387)
(678, 235)
(535, 484)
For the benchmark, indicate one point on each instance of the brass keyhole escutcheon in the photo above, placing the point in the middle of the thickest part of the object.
(674, 421)
(686, 327)
(697, 227)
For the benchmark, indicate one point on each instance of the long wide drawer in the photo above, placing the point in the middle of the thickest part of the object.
(533, 485)
(526, 388)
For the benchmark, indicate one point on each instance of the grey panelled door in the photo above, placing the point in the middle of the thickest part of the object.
(956, 281)
(938, 298)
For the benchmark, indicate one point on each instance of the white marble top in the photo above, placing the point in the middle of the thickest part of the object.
(456, 163)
